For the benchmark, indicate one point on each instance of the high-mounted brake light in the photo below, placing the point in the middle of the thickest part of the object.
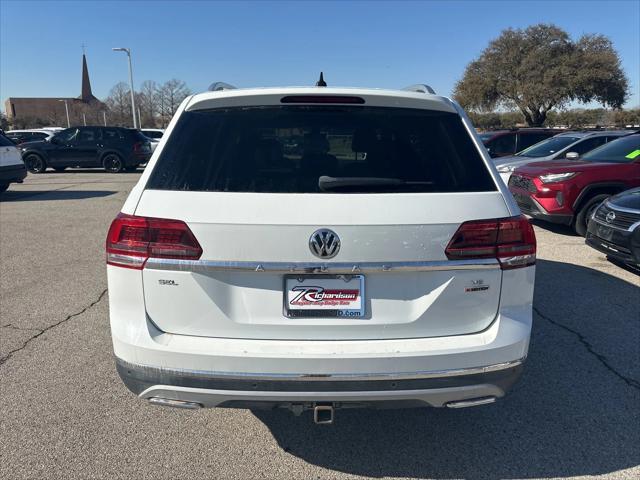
(132, 240)
(339, 99)
(511, 241)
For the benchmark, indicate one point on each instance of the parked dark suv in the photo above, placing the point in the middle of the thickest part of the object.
(113, 148)
(507, 142)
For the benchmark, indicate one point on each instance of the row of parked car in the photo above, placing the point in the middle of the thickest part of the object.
(578, 179)
(115, 149)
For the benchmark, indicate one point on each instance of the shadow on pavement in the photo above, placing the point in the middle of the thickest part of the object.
(554, 227)
(46, 195)
(569, 415)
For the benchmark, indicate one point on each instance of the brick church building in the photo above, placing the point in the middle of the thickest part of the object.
(32, 112)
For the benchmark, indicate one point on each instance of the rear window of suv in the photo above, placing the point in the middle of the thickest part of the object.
(320, 149)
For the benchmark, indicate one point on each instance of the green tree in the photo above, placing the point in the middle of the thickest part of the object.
(540, 68)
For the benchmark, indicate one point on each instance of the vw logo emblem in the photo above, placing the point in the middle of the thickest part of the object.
(611, 216)
(324, 243)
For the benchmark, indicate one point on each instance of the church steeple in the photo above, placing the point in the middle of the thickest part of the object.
(86, 95)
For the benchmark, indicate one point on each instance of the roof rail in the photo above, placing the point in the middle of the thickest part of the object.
(219, 86)
(420, 88)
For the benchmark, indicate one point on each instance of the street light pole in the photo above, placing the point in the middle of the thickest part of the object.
(66, 107)
(133, 102)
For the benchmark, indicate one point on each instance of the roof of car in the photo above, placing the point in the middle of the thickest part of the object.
(29, 130)
(273, 95)
(593, 133)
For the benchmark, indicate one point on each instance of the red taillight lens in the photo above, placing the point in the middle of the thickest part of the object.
(511, 241)
(132, 240)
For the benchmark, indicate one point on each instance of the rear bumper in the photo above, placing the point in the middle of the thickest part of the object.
(208, 389)
(235, 372)
(13, 173)
(405, 372)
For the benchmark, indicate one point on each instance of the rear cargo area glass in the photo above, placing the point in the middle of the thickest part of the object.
(294, 149)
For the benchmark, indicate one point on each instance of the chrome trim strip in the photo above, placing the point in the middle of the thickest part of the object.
(315, 267)
(346, 377)
(615, 208)
(600, 222)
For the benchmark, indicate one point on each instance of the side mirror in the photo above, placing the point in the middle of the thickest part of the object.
(572, 155)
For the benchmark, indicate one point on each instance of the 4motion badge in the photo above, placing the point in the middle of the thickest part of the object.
(476, 286)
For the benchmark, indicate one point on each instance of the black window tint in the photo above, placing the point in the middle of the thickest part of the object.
(622, 150)
(111, 134)
(152, 133)
(287, 149)
(5, 142)
(588, 144)
(528, 139)
(68, 135)
(88, 135)
(39, 136)
(502, 145)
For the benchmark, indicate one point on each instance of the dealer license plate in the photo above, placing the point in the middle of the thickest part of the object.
(324, 296)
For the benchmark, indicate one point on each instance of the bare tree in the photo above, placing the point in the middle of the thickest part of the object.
(119, 105)
(149, 104)
(171, 94)
(157, 103)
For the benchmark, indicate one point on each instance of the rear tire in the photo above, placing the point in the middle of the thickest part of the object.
(112, 163)
(3, 187)
(583, 216)
(35, 163)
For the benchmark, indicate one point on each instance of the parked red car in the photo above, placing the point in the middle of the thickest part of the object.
(568, 191)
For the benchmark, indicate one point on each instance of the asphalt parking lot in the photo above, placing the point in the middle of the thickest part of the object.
(64, 413)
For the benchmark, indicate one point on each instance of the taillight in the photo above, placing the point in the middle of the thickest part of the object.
(511, 241)
(141, 147)
(132, 240)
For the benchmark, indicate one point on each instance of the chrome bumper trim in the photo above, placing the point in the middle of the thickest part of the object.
(315, 267)
(346, 377)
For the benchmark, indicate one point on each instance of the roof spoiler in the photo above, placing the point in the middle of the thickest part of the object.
(219, 86)
(420, 88)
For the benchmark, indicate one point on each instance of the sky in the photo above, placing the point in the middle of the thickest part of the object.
(368, 44)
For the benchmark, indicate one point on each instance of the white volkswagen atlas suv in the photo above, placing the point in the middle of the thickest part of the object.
(320, 248)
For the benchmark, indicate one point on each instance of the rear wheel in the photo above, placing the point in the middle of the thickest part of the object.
(112, 163)
(3, 187)
(583, 216)
(35, 163)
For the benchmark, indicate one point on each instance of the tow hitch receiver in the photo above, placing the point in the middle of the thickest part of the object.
(323, 414)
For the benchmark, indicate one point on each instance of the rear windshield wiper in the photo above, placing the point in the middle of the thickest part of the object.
(329, 184)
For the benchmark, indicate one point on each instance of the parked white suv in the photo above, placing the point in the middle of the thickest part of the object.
(317, 248)
(12, 167)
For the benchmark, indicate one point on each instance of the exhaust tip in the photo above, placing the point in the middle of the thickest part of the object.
(170, 402)
(472, 402)
(323, 414)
